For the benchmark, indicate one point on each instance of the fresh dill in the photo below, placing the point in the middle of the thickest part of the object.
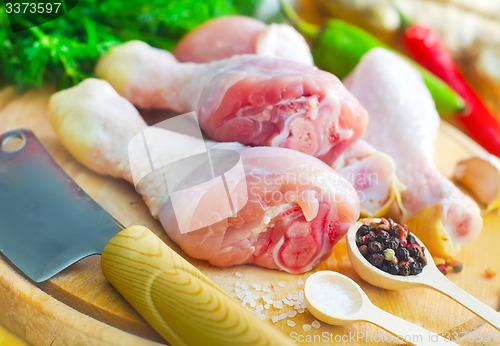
(64, 51)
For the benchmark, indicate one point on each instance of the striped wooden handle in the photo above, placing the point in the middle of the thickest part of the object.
(181, 303)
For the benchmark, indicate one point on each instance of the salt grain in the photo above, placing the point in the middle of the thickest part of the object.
(278, 304)
(290, 323)
(266, 219)
(282, 284)
(291, 313)
(332, 298)
(238, 274)
(306, 327)
(315, 324)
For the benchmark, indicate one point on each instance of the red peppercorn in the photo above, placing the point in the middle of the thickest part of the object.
(443, 268)
(402, 242)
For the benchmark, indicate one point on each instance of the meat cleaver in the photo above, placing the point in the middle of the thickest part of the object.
(47, 223)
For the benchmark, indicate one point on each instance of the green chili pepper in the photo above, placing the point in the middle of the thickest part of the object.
(338, 46)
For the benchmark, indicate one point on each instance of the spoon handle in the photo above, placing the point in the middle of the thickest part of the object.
(438, 282)
(409, 332)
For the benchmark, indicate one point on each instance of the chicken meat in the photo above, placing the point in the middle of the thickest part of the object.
(371, 171)
(297, 206)
(404, 124)
(251, 99)
(223, 37)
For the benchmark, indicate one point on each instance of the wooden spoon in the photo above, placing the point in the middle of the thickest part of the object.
(336, 299)
(430, 277)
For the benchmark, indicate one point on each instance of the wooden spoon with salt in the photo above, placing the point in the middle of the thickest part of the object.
(336, 299)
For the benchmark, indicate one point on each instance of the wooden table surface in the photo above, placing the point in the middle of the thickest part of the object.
(79, 305)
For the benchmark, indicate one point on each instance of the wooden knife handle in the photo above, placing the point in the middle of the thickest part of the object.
(181, 303)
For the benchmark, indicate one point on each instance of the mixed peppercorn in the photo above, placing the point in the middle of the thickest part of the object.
(390, 246)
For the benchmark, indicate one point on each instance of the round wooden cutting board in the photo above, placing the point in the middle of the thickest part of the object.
(78, 306)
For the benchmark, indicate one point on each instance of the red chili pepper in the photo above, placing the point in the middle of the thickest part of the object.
(425, 46)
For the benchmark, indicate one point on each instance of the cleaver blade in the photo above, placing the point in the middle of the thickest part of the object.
(47, 222)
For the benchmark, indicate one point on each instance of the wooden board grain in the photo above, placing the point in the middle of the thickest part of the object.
(80, 306)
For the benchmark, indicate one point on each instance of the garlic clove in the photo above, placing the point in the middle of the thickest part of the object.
(480, 175)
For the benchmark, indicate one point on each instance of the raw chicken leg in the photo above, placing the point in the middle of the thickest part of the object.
(371, 172)
(297, 208)
(404, 124)
(251, 99)
(224, 37)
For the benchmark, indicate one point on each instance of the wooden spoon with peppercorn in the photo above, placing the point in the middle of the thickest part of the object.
(387, 255)
(336, 299)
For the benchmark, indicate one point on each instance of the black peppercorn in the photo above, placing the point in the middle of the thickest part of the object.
(410, 239)
(404, 268)
(415, 252)
(363, 230)
(375, 247)
(422, 260)
(392, 243)
(394, 269)
(395, 231)
(363, 249)
(360, 241)
(415, 268)
(385, 266)
(370, 237)
(383, 236)
(402, 254)
(377, 259)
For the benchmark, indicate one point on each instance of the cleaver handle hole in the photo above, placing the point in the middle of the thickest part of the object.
(13, 142)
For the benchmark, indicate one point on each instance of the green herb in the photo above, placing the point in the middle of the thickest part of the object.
(64, 50)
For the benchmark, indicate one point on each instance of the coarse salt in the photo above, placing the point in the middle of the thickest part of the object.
(278, 304)
(332, 298)
(306, 327)
(266, 219)
(315, 324)
(256, 286)
(290, 323)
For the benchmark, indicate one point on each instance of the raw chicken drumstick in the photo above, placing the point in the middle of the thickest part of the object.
(251, 99)
(223, 37)
(297, 207)
(371, 172)
(404, 124)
